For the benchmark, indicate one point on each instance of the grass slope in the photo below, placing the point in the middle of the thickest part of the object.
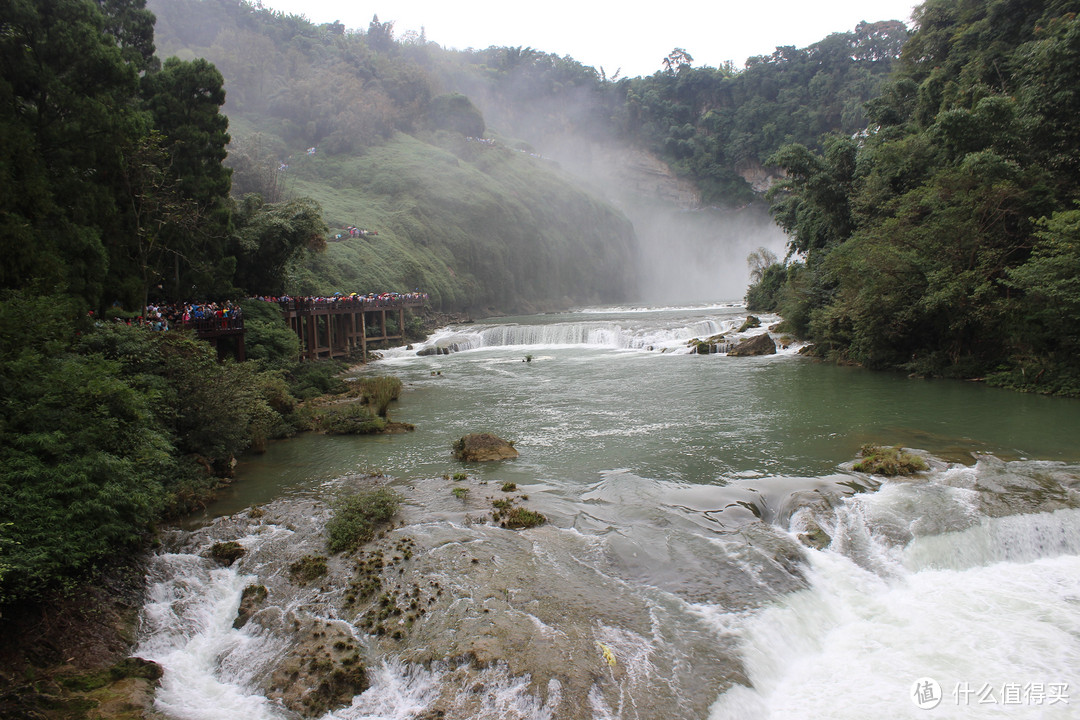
(476, 226)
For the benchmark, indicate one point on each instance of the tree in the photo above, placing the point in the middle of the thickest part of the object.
(67, 109)
(272, 238)
(456, 113)
(676, 60)
(185, 100)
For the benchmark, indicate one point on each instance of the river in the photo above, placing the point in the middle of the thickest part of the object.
(670, 580)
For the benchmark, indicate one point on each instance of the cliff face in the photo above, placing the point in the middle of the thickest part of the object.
(758, 177)
(639, 172)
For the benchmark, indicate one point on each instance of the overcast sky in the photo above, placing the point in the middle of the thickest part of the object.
(609, 34)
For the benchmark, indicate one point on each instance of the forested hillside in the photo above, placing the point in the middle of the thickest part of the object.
(947, 239)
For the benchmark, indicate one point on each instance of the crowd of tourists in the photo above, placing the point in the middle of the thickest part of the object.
(228, 315)
(371, 300)
(202, 316)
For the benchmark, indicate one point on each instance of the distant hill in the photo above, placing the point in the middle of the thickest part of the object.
(480, 225)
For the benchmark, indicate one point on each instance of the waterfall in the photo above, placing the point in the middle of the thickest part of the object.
(626, 335)
(211, 668)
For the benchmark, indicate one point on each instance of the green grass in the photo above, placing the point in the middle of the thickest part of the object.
(471, 225)
(357, 516)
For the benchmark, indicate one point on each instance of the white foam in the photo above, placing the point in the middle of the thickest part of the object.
(855, 642)
(209, 667)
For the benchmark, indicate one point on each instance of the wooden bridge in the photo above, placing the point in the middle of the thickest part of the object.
(225, 334)
(337, 327)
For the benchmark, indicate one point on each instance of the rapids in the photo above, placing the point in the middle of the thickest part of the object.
(677, 489)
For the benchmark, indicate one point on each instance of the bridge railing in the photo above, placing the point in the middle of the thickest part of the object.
(307, 305)
(215, 325)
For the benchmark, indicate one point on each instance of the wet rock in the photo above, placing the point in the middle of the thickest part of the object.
(751, 322)
(814, 536)
(250, 601)
(481, 447)
(227, 553)
(757, 345)
(709, 345)
(322, 673)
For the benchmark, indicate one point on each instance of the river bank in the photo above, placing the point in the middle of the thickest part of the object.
(67, 656)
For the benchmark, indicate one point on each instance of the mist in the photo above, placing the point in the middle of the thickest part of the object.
(695, 256)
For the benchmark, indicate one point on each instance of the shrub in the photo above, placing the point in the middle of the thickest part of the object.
(890, 462)
(460, 492)
(346, 419)
(268, 336)
(379, 392)
(311, 379)
(356, 517)
(509, 487)
(518, 518)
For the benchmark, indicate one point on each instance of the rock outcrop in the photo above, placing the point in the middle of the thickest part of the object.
(758, 345)
(481, 447)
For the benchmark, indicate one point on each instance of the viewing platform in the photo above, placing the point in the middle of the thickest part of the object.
(339, 326)
(226, 334)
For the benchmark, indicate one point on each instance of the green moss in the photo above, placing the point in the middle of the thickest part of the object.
(357, 516)
(888, 461)
(307, 569)
(460, 492)
(508, 487)
(518, 518)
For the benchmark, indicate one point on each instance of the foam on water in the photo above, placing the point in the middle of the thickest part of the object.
(993, 608)
(209, 665)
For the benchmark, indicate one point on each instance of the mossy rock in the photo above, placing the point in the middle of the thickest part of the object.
(757, 345)
(252, 597)
(483, 447)
(307, 569)
(889, 461)
(815, 537)
(227, 553)
(751, 322)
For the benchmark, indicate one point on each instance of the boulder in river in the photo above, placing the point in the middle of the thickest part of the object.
(480, 447)
(758, 345)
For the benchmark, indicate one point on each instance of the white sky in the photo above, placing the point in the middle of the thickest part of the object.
(611, 34)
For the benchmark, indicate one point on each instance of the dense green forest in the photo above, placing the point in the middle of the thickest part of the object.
(944, 241)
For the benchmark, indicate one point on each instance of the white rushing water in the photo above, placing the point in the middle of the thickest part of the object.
(990, 614)
(662, 329)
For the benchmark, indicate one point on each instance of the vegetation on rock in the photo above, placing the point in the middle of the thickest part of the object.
(358, 515)
(889, 461)
(308, 569)
(482, 447)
